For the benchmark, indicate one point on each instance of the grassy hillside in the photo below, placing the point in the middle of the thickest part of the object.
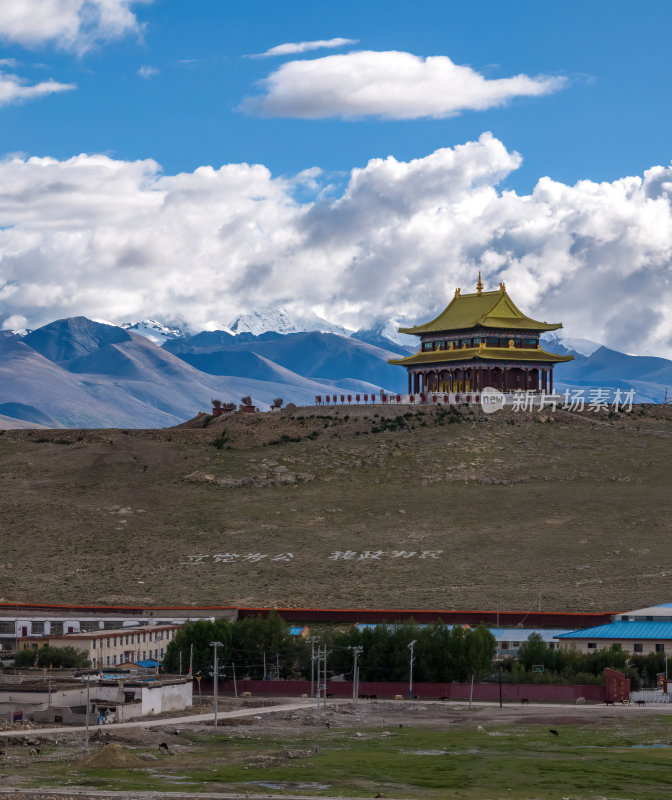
(575, 507)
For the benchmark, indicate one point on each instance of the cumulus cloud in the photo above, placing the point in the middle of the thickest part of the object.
(69, 24)
(14, 89)
(291, 48)
(148, 72)
(121, 240)
(389, 85)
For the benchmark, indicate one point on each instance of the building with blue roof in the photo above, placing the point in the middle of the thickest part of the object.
(636, 637)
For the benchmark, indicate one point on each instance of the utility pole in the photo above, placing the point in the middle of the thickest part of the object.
(264, 665)
(500, 686)
(216, 677)
(312, 640)
(191, 659)
(410, 683)
(277, 665)
(356, 650)
(321, 676)
(180, 662)
(235, 685)
(88, 706)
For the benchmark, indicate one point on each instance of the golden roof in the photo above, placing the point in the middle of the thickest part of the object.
(487, 309)
(481, 352)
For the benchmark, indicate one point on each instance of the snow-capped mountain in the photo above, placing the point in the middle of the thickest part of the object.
(584, 347)
(386, 332)
(278, 321)
(153, 330)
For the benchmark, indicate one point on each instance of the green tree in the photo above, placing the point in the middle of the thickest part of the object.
(56, 657)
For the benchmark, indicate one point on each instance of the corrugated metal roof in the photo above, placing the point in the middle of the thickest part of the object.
(624, 630)
(500, 634)
(523, 634)
(297, 631)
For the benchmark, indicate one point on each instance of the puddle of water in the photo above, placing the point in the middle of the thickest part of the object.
(175, 778)
(425, 752)
(288, 785)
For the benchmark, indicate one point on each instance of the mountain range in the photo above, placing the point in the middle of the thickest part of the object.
(78, 372)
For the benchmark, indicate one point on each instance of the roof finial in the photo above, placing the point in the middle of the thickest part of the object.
(502, 287)
(457, 292)
(479, 286)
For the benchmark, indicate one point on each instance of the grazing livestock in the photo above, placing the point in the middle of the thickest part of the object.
(640, 702)
(524, 700)
(398, 696)
(163, 747)
(552, 732)
(443, 699)
(609, 703)
(34, 751)
(481, 729)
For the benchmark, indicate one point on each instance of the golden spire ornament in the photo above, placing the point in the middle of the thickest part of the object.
(479, 286)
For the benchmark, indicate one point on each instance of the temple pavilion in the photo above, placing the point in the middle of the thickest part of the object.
(480, 340)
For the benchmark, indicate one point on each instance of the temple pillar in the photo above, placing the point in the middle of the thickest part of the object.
(550, 379)
(410, 382)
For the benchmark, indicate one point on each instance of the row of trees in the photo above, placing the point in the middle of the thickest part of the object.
(571, 666)
(259, 646)
(441, 653)
(56, 657)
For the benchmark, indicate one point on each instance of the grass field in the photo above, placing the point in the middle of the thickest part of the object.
(574, 507)
(618, 759)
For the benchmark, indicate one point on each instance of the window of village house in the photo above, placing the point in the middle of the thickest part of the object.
(37, 628)
(7, 627)
(592, 645)
(660, 647)
(126, 638)
(144, 655)
(108, 641)
(108, 661)
(114, 641)
(638, 647)
(56, 628)
(144, 637)
(94, 644)
(114, 659)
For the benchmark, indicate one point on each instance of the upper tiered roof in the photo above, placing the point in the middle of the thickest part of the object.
(485, 309)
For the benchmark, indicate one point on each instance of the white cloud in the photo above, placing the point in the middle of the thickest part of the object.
(290, 48)
(390, 85)
(14, 89)
(69, 24)
(12, 63)
(120, 240)
(17, 322)
(148, 72)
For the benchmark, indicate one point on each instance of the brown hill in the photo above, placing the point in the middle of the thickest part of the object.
(378, 506)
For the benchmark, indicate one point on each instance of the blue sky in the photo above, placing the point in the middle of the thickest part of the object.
(528, 140)
(611, 119)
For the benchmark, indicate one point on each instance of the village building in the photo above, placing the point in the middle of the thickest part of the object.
(67, 700)
(635, 638)
(480, 340)
(21, 620)
(111, 648)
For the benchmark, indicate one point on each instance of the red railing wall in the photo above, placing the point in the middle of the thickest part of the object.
(423, 691)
